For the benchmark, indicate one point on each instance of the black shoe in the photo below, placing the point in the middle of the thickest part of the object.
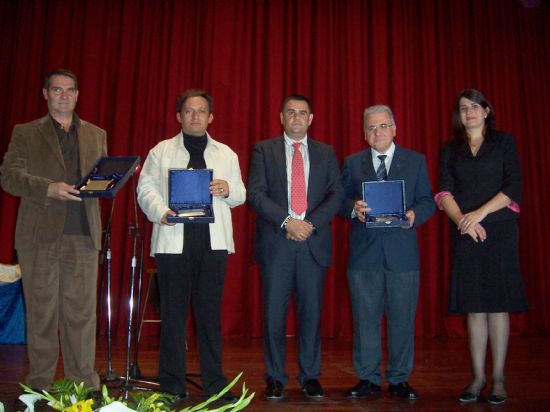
(468, 396)
(274, 389)
(229, 397)
(176, 394)
(363, 389)
(404, 390)
(312, 389)
(97, 396)
(177, 397)
(498, 393)
(496, 399)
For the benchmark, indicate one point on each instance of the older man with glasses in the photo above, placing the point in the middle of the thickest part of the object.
(383, 264)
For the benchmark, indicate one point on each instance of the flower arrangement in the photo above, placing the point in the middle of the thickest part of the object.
(68, 396)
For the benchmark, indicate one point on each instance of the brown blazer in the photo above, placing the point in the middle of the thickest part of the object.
(32, 162)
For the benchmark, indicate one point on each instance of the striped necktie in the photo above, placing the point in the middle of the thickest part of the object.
(381, 172)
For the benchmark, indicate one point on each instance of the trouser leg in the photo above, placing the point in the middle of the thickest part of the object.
(277, 284)
(309, 301)
(401, 299)
(77, 308)
(367, 295)
(206, 297)
(40, 277)
(174, 281)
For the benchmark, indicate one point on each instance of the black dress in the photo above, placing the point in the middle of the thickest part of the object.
(485, 276)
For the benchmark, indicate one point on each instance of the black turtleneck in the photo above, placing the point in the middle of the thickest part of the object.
(195, 145)
(198, 235)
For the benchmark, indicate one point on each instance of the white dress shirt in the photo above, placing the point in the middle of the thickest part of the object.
(289, 152)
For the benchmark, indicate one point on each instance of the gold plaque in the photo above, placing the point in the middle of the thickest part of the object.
(98, 185)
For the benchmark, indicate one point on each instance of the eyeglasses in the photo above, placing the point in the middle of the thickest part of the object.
(58, 91)
(474, 107)
(381, 126)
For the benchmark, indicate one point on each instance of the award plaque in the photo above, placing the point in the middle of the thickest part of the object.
(189, 195)
(108, 176)
(386, 199)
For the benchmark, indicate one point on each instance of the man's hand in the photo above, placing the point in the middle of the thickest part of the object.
(411, 216)
(63, 191)
(164, 219)
(219, 187)
(360, 207)
(298, 230)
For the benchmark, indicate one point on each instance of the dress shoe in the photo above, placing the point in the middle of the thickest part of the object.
(496, 399)
(404, 390)
(176, 397)
(312, 389)
(229, 397)
(96, 395)
(468, 395)
(274, 389)
(363, 389)
(498, 392)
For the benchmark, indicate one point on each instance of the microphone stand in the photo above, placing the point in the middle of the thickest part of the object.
(132, 371)
(106, 262)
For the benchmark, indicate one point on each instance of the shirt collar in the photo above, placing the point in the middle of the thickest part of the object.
(290, 141)
(75, 123)
(389, 153)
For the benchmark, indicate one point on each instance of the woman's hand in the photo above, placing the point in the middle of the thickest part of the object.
(469, 220)
(476, 232)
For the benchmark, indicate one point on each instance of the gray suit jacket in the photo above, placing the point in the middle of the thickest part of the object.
(32, 162)
(268, 195)
(391, 248)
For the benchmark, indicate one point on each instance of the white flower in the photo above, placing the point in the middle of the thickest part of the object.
(116, 406)
(29, 399)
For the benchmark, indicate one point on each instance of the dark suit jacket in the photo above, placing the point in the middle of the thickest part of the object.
(32, 162)
(395, 249)
(268, 195)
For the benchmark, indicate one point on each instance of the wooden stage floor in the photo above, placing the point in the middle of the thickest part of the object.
(442, 368)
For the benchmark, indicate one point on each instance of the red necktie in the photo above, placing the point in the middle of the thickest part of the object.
(298, 196)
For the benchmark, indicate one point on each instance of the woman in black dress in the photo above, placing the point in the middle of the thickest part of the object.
(480, 191)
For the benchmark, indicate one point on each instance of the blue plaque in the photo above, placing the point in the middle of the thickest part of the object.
(108, 176)
(386, 199)
(189, 195)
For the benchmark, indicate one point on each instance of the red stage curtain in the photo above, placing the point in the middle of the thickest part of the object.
(133, 58)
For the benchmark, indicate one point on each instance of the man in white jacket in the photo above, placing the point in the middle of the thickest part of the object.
(191, 258)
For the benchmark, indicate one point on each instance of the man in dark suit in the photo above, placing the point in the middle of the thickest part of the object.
(383, 265)
(58, 234)
(294, 187)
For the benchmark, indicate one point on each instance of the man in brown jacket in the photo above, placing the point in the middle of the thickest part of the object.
(58, 234)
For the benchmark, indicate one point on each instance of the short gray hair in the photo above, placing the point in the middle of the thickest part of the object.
(378, 108)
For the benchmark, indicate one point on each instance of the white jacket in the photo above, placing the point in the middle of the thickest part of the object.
(152, 193)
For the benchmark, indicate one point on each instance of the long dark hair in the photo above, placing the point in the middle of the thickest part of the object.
(459, 136)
